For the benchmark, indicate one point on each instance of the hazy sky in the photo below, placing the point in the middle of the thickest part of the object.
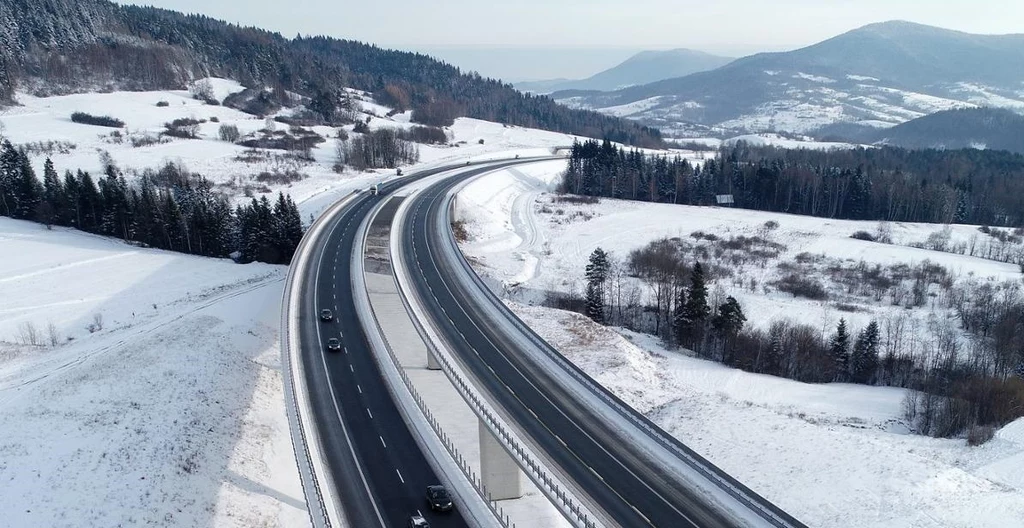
(453, 29)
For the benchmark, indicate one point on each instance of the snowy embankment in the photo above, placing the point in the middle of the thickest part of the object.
(834, 455)
(161, 402)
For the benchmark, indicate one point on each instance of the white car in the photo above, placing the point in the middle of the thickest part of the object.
(417, 521)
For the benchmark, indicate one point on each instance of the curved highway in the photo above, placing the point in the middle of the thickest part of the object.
(632, 488)
(374, 462)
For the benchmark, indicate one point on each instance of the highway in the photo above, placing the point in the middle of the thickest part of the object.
(631, 488)
(376, 465)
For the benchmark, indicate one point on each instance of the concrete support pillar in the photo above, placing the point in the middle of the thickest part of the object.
(432, 363)
(498, 471)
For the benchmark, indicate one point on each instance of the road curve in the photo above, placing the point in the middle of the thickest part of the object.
(374, 463)
(625, 482)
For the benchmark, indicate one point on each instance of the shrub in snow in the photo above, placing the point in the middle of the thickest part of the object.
(863, 235)
(424, 134)
(980, 434)
(89, 119)
(185, 127)
(229, 133)
(162, 104)
(800, 286)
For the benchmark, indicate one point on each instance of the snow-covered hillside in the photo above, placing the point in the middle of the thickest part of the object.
(161, 402)
(835, 455)
(816, 103)
(141, 387)
(230, 166)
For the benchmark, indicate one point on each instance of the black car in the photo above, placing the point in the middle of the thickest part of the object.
(333, 344)
(326, 315)
(439, 498)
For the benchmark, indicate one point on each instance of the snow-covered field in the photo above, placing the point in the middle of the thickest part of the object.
(172, 414)
(532, 244)
(834, 455)
(161, 403)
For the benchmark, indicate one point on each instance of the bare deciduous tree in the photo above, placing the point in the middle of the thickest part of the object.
(52, 334)
(97, 323)
(28, 334)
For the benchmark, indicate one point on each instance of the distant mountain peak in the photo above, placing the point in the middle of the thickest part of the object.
(642, 68)
(878, 75)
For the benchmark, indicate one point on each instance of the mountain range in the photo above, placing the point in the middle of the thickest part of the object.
(643, 68)
(878, 76)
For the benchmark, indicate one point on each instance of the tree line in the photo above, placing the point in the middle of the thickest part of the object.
(954, 390)
(168, 209)
(891, 184)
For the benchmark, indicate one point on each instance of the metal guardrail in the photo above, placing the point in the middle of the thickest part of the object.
(387, 360)
(322, 501)
(693, 460)
(563, 500)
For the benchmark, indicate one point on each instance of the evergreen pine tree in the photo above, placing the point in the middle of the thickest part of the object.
(69, 209)
(864, 360)
(116, 215)
(28, 190)
(174, 223)
(729, 320)
(595, 303)
(596, 274)
(90, 203)
(772, 363)
(597, 267)
(10, 171)
(679, 317)
(146, 217)
(727, 324)
(839, 350)
(53, 196)
(287, 228)
(696, 309)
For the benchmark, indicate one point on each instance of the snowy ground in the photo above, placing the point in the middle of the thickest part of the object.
(834, 455)
(171, 415)
(533, 244)
(169, 411)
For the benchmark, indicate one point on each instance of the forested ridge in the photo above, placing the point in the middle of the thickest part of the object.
(58, 46)
(938, 186)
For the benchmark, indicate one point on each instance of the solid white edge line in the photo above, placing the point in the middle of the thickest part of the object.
(321, 496)
(330, 385)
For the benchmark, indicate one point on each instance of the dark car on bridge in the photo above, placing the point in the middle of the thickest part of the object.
(439, 498)
(333, 344)
(326, 315)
